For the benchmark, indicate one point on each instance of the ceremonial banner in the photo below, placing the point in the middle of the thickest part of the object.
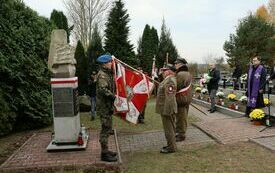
(133, 90)
(137, 94)
(121, 103)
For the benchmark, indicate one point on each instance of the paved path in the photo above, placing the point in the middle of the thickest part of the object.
(34, 156)
(226, 129)
(156, 140)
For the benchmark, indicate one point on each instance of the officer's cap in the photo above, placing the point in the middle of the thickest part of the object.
(168, 67)
(180, 60)
(104, 58)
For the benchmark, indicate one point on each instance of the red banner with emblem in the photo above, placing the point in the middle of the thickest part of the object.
(137, 89)
(121, 103)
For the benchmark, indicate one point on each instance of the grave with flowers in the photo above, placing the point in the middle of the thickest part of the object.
(226, 99)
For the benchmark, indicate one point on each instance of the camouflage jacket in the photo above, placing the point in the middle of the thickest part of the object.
(105, 89)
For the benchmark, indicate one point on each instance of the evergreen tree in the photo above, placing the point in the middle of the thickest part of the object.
(81, 69)
(117, 32)
(95, 49)
(145, 57)
(148, 46)
(61, 22)
(24, 89)
(155, 40)
(252, 38)
(139, 51)
(166, 47)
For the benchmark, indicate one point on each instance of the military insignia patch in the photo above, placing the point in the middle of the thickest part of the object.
(170, 89)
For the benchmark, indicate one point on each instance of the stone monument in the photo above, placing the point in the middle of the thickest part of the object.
(68, 133)
(61, 61)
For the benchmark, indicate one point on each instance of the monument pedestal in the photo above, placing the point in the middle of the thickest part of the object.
(68, 133)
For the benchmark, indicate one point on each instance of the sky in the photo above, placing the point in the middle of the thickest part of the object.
(198, 28)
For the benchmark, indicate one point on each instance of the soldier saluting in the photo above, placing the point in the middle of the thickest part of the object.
(105, 89)
(166, 106)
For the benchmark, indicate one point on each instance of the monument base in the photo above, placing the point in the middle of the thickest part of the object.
(53, 146)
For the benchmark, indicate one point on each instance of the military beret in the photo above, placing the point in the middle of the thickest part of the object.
(104, 59)
(180, 60)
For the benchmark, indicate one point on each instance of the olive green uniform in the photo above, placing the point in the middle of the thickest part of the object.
(166, 105)
(184, 79)
(105, 97)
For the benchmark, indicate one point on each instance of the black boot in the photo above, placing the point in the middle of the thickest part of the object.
(107, 157)
(112, 153)
(112, 132)
(167, 150)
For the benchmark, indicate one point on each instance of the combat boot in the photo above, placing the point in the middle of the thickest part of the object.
(107, 157)
(167, 150)
(112, 153)
(111, 132)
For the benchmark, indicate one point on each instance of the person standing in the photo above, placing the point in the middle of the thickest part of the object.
(105, 96)
(166, 106)
(92, 88)
(184, 97)
(213, 85)
(236, 76)
(255, 85)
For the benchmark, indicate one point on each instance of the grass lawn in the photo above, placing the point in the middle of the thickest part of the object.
(152, 121)
(240, 157)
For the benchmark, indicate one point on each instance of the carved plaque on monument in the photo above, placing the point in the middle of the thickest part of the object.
(65, 102)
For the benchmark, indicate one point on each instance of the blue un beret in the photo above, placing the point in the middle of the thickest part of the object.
(104, 58)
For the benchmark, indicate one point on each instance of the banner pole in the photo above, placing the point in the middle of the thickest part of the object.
(132, 68)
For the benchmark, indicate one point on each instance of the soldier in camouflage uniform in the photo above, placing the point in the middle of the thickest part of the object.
(166, 105)
(105, 89)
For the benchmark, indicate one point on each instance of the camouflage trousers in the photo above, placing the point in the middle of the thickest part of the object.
(106, 128)
(181, 120)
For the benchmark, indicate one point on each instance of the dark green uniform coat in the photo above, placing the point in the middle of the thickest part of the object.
(184, 79)
(166, 105)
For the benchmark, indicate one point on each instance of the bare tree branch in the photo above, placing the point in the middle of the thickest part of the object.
(84, 15)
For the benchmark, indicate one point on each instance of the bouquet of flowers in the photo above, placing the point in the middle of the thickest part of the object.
(220, 94)
(198, 89)
(207, 78)
(232, 97)
(243, 78)
(243, 99)
(266, 102)
(204, 91)
(257, 114)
